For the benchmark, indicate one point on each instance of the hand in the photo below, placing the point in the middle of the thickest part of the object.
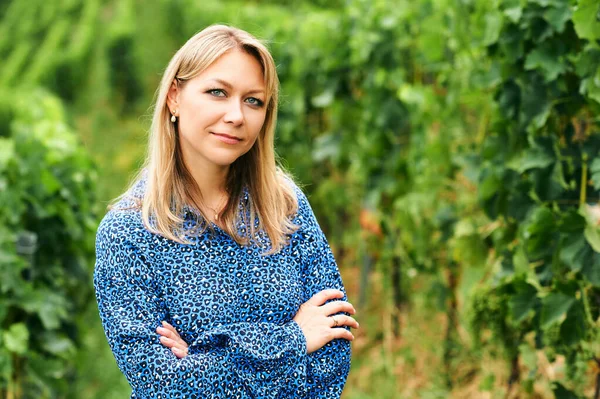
(317, 323)
(171, 339)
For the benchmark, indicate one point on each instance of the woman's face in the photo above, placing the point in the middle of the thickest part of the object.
(221, 111)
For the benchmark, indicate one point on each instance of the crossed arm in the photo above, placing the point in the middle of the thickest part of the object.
(320, 323)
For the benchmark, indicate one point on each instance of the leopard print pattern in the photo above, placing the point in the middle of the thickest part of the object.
(232, 304)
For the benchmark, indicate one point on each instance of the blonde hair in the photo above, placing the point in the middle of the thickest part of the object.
(169, 185)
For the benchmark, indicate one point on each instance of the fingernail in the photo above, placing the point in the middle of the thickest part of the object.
(164, 323)
(176, 350)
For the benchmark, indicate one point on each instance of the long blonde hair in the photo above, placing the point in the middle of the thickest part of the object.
(169, 185)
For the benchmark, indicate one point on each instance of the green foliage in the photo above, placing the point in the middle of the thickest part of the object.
(46, 242)
(534, 179)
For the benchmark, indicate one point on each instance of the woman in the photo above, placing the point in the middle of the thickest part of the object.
(213, 278)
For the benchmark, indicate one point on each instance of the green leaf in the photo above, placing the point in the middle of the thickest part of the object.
(489, 185)
(591, 232)
(585, 19)
(7, 151)
(573, 329)
(575, 252)
(522, 302)
(327, 146)
(593, 237)
(51, 183)
(324, 99)
(560, 392)
(591, 88)
(413, 95)
(520, 261)
(554, 307)
(530, 159)
(16, 338)
(51, 307)
(514, 13)
(5, 363)
(493, 27)
(548, 60)
(58, 345)
(591, 270)
(540, 221)
(558, 16)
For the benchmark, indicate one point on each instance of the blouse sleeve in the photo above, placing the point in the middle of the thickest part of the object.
(264, 357)
(328, 367)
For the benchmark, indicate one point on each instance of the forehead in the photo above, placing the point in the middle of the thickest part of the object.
(237, 68)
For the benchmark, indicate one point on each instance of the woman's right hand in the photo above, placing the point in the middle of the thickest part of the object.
(318, 320)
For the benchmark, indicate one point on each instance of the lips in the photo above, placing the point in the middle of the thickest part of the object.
(226, 138)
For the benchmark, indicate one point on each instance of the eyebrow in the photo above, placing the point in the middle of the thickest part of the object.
(230, 86)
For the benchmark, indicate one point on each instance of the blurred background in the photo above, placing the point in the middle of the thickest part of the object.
(450, 149)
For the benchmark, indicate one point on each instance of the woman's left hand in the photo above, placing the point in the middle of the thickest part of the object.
(171, 339)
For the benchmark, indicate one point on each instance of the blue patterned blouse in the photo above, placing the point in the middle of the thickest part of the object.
(231, 304)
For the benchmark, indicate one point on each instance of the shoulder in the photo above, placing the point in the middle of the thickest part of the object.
(123, 221)
(122, 225)
(304, 217)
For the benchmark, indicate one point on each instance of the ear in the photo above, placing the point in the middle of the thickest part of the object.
(173, 96)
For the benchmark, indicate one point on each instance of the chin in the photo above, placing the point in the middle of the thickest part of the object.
(224, 161)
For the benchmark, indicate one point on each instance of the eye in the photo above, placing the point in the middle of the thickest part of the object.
(216, 92)
(254, 101)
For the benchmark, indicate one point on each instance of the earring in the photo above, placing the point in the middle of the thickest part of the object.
(173, 118)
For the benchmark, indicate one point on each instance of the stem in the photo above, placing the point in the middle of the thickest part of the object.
(514, 374)
(597, 391)
(397, 292)
(365, 271)
(586, 305)
(584, 169)
(451, 327)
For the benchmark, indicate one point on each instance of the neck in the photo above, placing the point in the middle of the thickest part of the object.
(211, 180)
(211, 183)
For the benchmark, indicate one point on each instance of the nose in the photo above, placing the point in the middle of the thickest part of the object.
(234, 114)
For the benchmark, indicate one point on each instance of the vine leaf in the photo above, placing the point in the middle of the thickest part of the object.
(554, 307)
(493, 27)
(7, 151)
(558, 16)
(522, 302)
(584, 19)
(547, 59)
(560, 392)
(591, 229)
(575, 253)
(16, 338)
(591, 270)
(530, 159)
(573, 329)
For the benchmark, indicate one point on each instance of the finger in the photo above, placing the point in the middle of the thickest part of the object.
(174, 344)
(179, 353)
(166, 332)
(343, 320)
(169, 343)
(338, 307)
(170, 327)
(323, 296)
(341, 333)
